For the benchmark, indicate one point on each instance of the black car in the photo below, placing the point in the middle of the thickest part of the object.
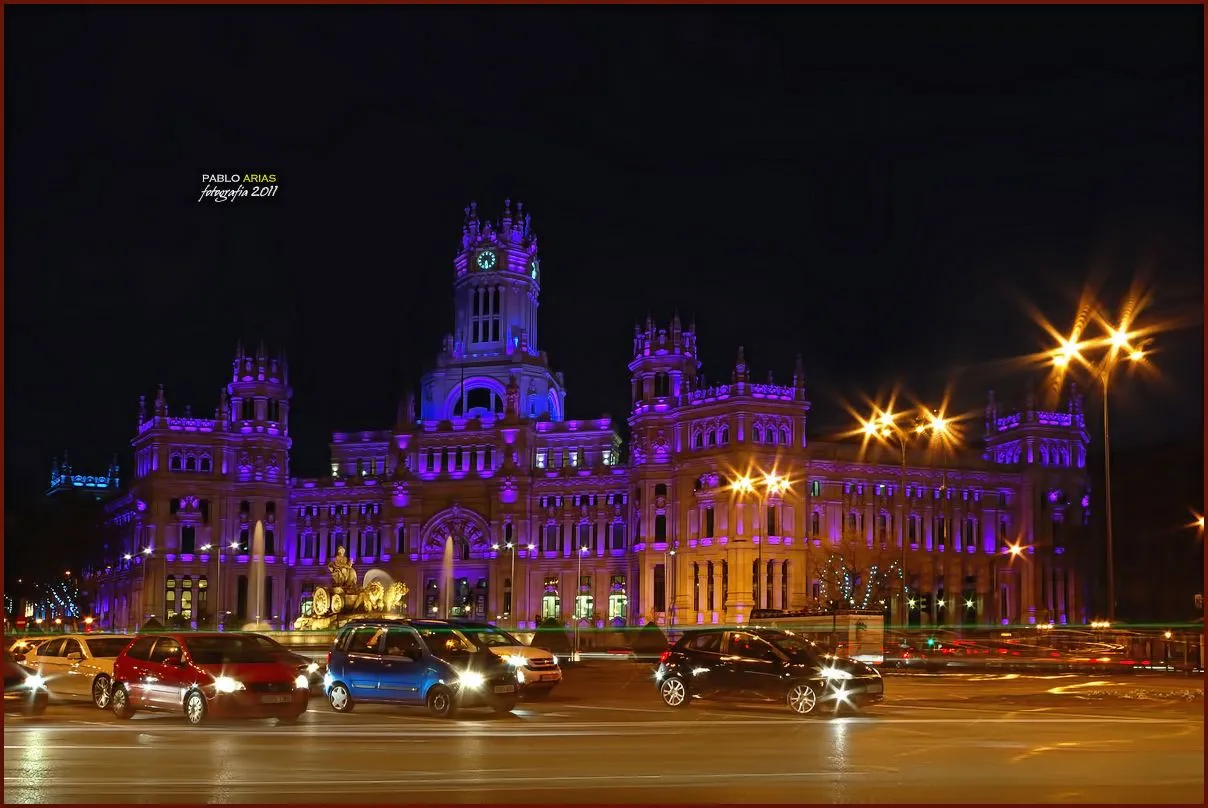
(767, 665)
(24, 692)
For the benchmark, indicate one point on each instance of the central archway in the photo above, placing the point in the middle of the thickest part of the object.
(469, 530)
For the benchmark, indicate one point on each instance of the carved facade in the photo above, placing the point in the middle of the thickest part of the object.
(539, 516)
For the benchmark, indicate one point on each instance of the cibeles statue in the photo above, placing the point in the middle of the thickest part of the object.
(343, 574)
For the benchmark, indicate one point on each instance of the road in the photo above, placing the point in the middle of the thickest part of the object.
(605, 738)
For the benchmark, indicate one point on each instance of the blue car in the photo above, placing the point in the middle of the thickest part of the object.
(428, 663)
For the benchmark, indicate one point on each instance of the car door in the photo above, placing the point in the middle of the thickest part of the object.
(49, 662)
(73, 656)
(133, 670)
(705, 663)
(363, 661)
(403, 666)
(756, 666)
(165, 680)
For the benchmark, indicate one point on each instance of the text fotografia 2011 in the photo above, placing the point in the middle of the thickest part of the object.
(230, 187)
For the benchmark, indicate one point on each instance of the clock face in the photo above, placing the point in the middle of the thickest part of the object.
(486, 260)
(534, 268)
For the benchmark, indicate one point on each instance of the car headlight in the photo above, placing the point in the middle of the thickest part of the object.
(555, 659)
(516, 661)
(35, 682)
(225, 684)
(835, 673)
(302, 683)
(471, 680)
(312, 667)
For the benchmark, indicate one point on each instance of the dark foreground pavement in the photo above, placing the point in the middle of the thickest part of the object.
(605, 738)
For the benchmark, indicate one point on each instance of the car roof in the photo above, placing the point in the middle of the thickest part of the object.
(421, 622)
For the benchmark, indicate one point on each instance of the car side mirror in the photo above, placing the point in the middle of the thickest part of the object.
(75, 656)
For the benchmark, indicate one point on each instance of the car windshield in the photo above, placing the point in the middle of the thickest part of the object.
(490, 637)
(446, 641)
(228, 650)
(107, 647)
(794, 647)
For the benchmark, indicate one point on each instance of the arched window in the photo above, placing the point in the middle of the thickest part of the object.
(174, 463)
(662, 385)
(697, 440)
(757, 434)
(785, 438)
(771, 436)
(190, 463)
(205, 464)
(710, 438)
(723, 435)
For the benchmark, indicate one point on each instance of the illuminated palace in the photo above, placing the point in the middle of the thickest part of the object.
(548, 518)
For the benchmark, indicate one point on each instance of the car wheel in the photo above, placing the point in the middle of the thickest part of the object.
(674, 692)
(504, 706)
(440, 702)
(119, 700)
(102, 691)
(195, 708)
(339, 698)
(802, 699)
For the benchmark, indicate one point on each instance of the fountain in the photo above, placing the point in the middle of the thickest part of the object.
(447, 575)
(255, 587)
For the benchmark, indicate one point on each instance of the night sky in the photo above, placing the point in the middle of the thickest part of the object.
(878, 189)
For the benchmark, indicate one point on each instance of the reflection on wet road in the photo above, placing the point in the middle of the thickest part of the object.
(606, 738)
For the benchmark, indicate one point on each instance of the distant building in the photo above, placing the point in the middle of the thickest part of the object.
(489, 457)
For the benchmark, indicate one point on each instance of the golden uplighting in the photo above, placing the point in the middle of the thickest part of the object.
(1014, 550)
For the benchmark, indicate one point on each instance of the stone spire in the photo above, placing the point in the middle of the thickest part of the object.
(741, 372)
(799, 374)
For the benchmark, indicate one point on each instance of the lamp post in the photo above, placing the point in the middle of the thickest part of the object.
(146, 554)
(772, 485)
(669, 566)
(512, 547)
(218, 579)
(885, 428)
(1120, 344)
(578, 586)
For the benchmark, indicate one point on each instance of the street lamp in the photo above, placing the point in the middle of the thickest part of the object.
(1121, 344)
(205, 548)
(884, 428)
(578, 587)
(773, 485)
(512, 547)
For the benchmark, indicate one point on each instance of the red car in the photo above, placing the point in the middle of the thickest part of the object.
(207, 675)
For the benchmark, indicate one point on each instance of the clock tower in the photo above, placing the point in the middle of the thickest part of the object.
(497, 282)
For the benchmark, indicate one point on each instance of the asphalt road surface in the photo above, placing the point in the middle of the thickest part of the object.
(604, 737)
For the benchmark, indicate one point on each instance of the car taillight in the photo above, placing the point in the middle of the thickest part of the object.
(329, 657)
(663, 657)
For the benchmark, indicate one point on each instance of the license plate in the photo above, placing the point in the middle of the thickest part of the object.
(505, 688)
(549, 677)
(276, 699)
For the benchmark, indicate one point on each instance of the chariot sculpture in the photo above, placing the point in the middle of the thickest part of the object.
(345, 598)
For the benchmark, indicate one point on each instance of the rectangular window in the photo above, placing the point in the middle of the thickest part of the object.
(709, 523)
(815, 488)
(660, 528)
(772, 520)
(574, 458)
(660, 588)
(541, 458)
(606, 457)
(618, 535)
(815, 524)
